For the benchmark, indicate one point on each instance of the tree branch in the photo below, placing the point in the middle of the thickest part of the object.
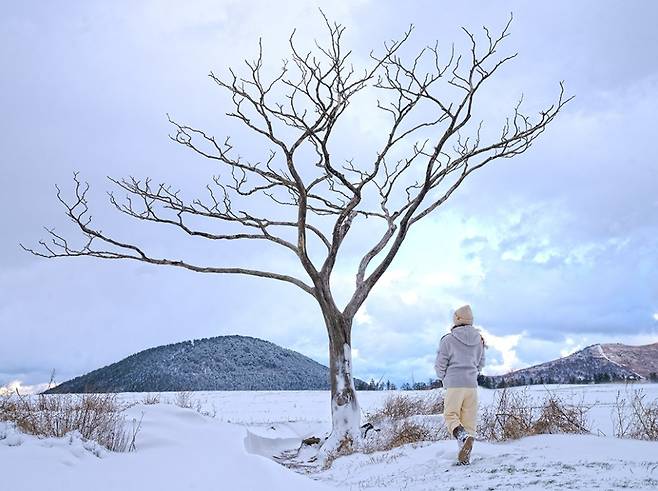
(78, 213)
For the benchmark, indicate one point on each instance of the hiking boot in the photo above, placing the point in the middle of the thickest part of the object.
(465, 442)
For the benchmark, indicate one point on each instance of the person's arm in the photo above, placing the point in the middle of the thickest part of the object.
(482, 358)
(442, 358)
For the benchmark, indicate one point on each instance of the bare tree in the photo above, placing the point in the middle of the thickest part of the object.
(430, 147)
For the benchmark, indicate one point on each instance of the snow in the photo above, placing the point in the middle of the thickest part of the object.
(534, 463)
(345, 414)
(176, 449)
(604, 355)
(182, 449)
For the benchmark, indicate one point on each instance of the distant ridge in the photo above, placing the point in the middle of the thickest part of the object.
(642, 360)
(596, 363)
(218, 363)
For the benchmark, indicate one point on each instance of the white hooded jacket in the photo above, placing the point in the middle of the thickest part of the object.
(460, 357)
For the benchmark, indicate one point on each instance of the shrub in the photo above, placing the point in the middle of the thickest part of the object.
(408, 431)
(397, 407)
(151, 399)
(405, 420)
(514, 414)
(183, 400)
(635, 417)
(97, 417)
(555, 416)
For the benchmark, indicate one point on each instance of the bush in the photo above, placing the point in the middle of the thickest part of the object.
(97, 417)
(405, 420)
(514, 414)
(635, 417)
(408, 431)
(186, 401)
(151, 399)
(183, 400)
(398, 407)
(555, 416)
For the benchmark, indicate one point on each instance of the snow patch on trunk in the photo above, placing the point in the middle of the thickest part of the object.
(345, 411)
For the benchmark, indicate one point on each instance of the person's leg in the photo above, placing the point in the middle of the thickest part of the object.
(460, 411)
(469, 410)
(452, 404)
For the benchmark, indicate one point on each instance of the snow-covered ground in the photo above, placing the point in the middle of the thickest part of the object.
(181, 449)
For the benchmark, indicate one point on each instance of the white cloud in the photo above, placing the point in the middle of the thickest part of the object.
(655, 316)
(17, 386)
(409, 297)
(506, 346)
(362, 317)
(571, 347)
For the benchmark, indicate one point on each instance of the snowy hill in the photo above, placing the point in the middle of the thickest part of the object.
(596, 363)
(642, 360)
(219, 363)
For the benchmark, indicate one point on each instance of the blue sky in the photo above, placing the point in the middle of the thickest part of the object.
(554, 250)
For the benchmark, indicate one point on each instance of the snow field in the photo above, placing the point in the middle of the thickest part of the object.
(177, 449)
(180, 448)
(533, 463)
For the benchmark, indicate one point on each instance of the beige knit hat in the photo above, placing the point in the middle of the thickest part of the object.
(463, 316)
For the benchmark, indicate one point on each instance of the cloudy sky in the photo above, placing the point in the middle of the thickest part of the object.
(554, 250)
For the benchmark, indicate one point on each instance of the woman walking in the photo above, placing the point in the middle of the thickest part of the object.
(458, 362)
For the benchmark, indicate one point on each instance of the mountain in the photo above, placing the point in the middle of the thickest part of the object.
(596, 363)
(219, 363)
(642, 360)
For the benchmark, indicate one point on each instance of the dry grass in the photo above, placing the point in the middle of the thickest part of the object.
(635, 417)
(513, 414)
(184, 400)
(97, 417)
(407, 432)
(151, 399)
(345, 447)
(399, 406)
(404, 420)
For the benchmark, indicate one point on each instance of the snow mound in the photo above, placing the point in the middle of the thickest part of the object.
(176, 449)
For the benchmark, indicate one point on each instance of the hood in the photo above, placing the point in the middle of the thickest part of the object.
(467, 335)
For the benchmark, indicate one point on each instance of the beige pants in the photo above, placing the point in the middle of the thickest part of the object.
(460, 407)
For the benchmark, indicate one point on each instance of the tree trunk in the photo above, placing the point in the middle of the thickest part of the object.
(345, 412)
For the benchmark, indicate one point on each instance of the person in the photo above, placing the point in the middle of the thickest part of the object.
(459, 360)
